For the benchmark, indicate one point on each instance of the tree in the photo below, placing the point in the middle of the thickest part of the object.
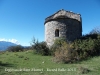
(40, 47)
(15, 48)
(95, 31)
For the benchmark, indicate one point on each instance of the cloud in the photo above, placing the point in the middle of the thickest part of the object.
(14, 41)
(3, 39)
(10, 40)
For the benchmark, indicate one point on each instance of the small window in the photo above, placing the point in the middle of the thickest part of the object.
(57, 33)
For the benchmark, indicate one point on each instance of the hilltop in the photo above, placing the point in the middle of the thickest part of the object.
(11, 62)
(4, 45)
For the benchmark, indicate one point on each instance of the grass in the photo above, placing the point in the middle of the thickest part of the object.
(27, 63)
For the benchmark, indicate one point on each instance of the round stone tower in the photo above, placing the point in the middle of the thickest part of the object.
(63, 24)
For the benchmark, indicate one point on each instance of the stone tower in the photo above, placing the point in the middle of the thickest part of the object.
(65, 24)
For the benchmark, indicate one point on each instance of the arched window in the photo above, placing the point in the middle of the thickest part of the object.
(57, 33)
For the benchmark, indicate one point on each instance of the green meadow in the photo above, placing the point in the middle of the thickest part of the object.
(28, 63)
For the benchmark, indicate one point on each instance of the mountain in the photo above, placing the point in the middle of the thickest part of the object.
(4, 45)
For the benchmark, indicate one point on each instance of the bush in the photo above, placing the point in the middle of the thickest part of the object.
(0, 62)
(40, 48)
(80, 49)
(87, 47)
(17, 48)
(57, 43)
(83, 70)
(26, 48)
(95, 31)
(26, 58)
(64, 54)
(21, 56)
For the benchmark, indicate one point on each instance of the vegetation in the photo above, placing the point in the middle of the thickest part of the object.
(22, 61)
(95, 31)
(40, 47)
(87, 47)
(15, 48)
(81, 49)
(64, 54)
(57, 43)
(26, 61)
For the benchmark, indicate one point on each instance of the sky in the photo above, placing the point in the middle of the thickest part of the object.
(21, 20)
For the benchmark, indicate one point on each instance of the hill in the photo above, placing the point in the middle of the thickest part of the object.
(4, 45)
(27, 63)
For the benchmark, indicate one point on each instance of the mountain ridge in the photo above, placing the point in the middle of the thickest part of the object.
(5, 44)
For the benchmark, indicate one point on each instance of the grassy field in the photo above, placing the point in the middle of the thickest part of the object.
(27, 63)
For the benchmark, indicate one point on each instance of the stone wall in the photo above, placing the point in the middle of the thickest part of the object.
(68, 23)
(69, 29)
(64, 14)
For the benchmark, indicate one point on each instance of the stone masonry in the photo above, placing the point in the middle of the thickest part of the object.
(63, 24)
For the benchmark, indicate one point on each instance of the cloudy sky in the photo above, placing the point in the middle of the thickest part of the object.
(20, 20)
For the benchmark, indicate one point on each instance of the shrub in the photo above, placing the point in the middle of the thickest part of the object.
(95, 31)
(83, 70)
(80, 49)
(40, 47)
(21, 56)
(57, 43)
(16, 54)
(87, 47)
(15, 48)
(64, 54)
(26, 58)
(26, 48)
(0, 62)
